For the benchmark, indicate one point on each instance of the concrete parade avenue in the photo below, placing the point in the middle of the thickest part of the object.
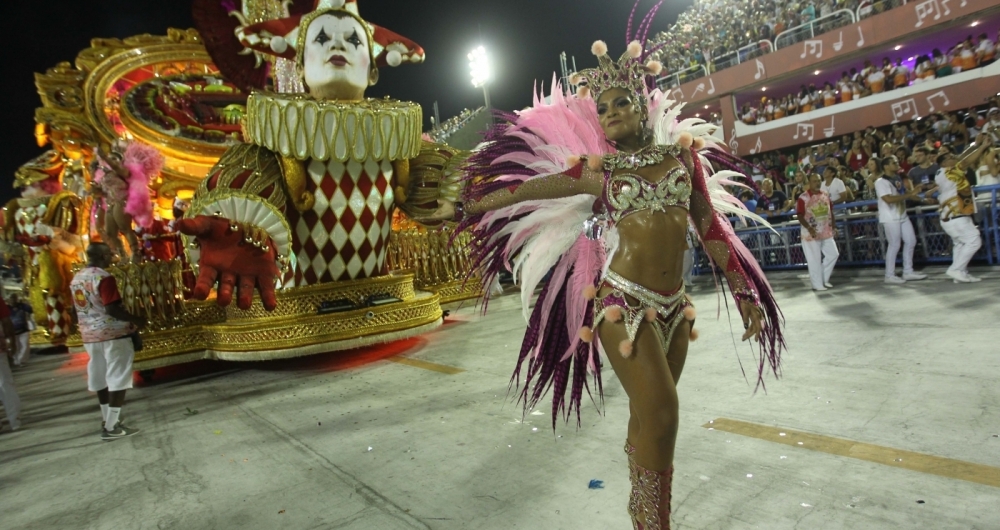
(887, 417)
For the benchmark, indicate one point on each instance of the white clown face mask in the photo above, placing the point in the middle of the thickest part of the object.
(337, 61)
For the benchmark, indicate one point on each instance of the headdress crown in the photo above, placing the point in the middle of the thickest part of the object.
(628, 72)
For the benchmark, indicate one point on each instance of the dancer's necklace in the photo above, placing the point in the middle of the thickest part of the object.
(650, 155)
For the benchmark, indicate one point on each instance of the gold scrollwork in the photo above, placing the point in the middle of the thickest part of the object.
(299, 126)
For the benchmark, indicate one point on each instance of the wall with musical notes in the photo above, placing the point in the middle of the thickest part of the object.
(955, 92)
(842, 43)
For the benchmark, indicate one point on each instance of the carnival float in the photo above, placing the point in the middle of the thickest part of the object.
(316, 184)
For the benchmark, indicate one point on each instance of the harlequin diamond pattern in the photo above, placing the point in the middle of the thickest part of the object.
(344, 236)
(60, 320)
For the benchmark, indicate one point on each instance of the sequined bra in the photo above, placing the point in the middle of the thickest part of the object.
(627, 193)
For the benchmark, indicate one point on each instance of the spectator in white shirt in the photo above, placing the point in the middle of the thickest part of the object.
(834, 187)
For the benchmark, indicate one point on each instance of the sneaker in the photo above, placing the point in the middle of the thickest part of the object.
(972, 278)
(828, 285)
(895, 280)
(914, 276)
(959, 276)
(120, 431)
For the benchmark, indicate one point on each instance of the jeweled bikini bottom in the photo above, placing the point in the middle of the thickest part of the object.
(664, 311)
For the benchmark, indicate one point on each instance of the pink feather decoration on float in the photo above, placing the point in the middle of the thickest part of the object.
(143, 163)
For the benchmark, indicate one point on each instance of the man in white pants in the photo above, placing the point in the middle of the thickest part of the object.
(958, 207)
(815, 212)
(895, 223)
(8, 392)
(105, 327)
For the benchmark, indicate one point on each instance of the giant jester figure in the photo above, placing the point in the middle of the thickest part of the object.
(308, 199)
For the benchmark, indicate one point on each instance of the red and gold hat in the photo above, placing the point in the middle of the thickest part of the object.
(282, 37)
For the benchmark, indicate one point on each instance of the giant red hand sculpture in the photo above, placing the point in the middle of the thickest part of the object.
(227, 257)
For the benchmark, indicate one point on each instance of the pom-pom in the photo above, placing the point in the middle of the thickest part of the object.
(586, 334)
(651, 314)
(685, 139)
(613, 315)
(279, 45)
(595, 162)
(583, 92)
(654, 67)
(572, 161)
(600, 48)
(590, 292)
(693, 336)
(575, 79)
(394, 58)
(634, 49)
(690, 313)
(698, 144)
(625, 348)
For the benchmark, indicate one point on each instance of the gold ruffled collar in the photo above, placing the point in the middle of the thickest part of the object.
(302, 127)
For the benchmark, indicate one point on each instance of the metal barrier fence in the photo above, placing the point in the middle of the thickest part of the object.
(861, 239)
(742, 55)
(809, 30)
(869, 8)
(677, 79)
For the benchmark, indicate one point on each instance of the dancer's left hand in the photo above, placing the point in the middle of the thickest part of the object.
(752, 319)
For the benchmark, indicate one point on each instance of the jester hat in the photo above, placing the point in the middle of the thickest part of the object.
(238, 57)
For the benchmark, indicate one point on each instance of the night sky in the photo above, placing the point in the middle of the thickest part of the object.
(523, 37)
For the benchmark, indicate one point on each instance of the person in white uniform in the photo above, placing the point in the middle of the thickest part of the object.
(895, 223)
(106, 329)
(8, 392)
(958, 207)
(815, 212)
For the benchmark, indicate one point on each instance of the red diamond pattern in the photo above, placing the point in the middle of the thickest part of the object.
(344, 236)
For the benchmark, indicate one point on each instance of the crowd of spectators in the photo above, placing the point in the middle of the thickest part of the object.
(872, 79)
(441, 132)
(850, 166)
(711, 30)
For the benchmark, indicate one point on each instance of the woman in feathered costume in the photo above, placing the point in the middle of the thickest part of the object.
(599, 188)
(124, 172)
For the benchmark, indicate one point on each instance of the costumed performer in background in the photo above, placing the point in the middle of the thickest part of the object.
(124, 172)
(611, 225)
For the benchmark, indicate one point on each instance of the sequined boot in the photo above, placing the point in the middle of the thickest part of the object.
(649, 503)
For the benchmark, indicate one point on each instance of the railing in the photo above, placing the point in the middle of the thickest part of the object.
(869, 8)
(809, 30)
(679, 78)
(735, 57)
(861, 239)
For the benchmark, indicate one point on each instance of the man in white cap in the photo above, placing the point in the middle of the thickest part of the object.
(958, 207)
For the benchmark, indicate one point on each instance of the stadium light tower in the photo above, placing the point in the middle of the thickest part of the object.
(482, 74)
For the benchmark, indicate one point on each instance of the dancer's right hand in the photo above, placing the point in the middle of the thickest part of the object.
(227, 259)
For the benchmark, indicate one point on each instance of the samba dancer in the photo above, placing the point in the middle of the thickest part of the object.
(617, 274)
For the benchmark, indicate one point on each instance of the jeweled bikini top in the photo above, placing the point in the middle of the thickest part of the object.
(628, 193)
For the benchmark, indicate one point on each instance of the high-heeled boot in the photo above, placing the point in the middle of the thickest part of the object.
(649, 502)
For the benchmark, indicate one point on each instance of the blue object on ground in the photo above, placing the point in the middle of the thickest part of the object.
(596, 484)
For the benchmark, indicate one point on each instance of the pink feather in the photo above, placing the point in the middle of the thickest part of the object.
(143, 163)
(587, 257)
